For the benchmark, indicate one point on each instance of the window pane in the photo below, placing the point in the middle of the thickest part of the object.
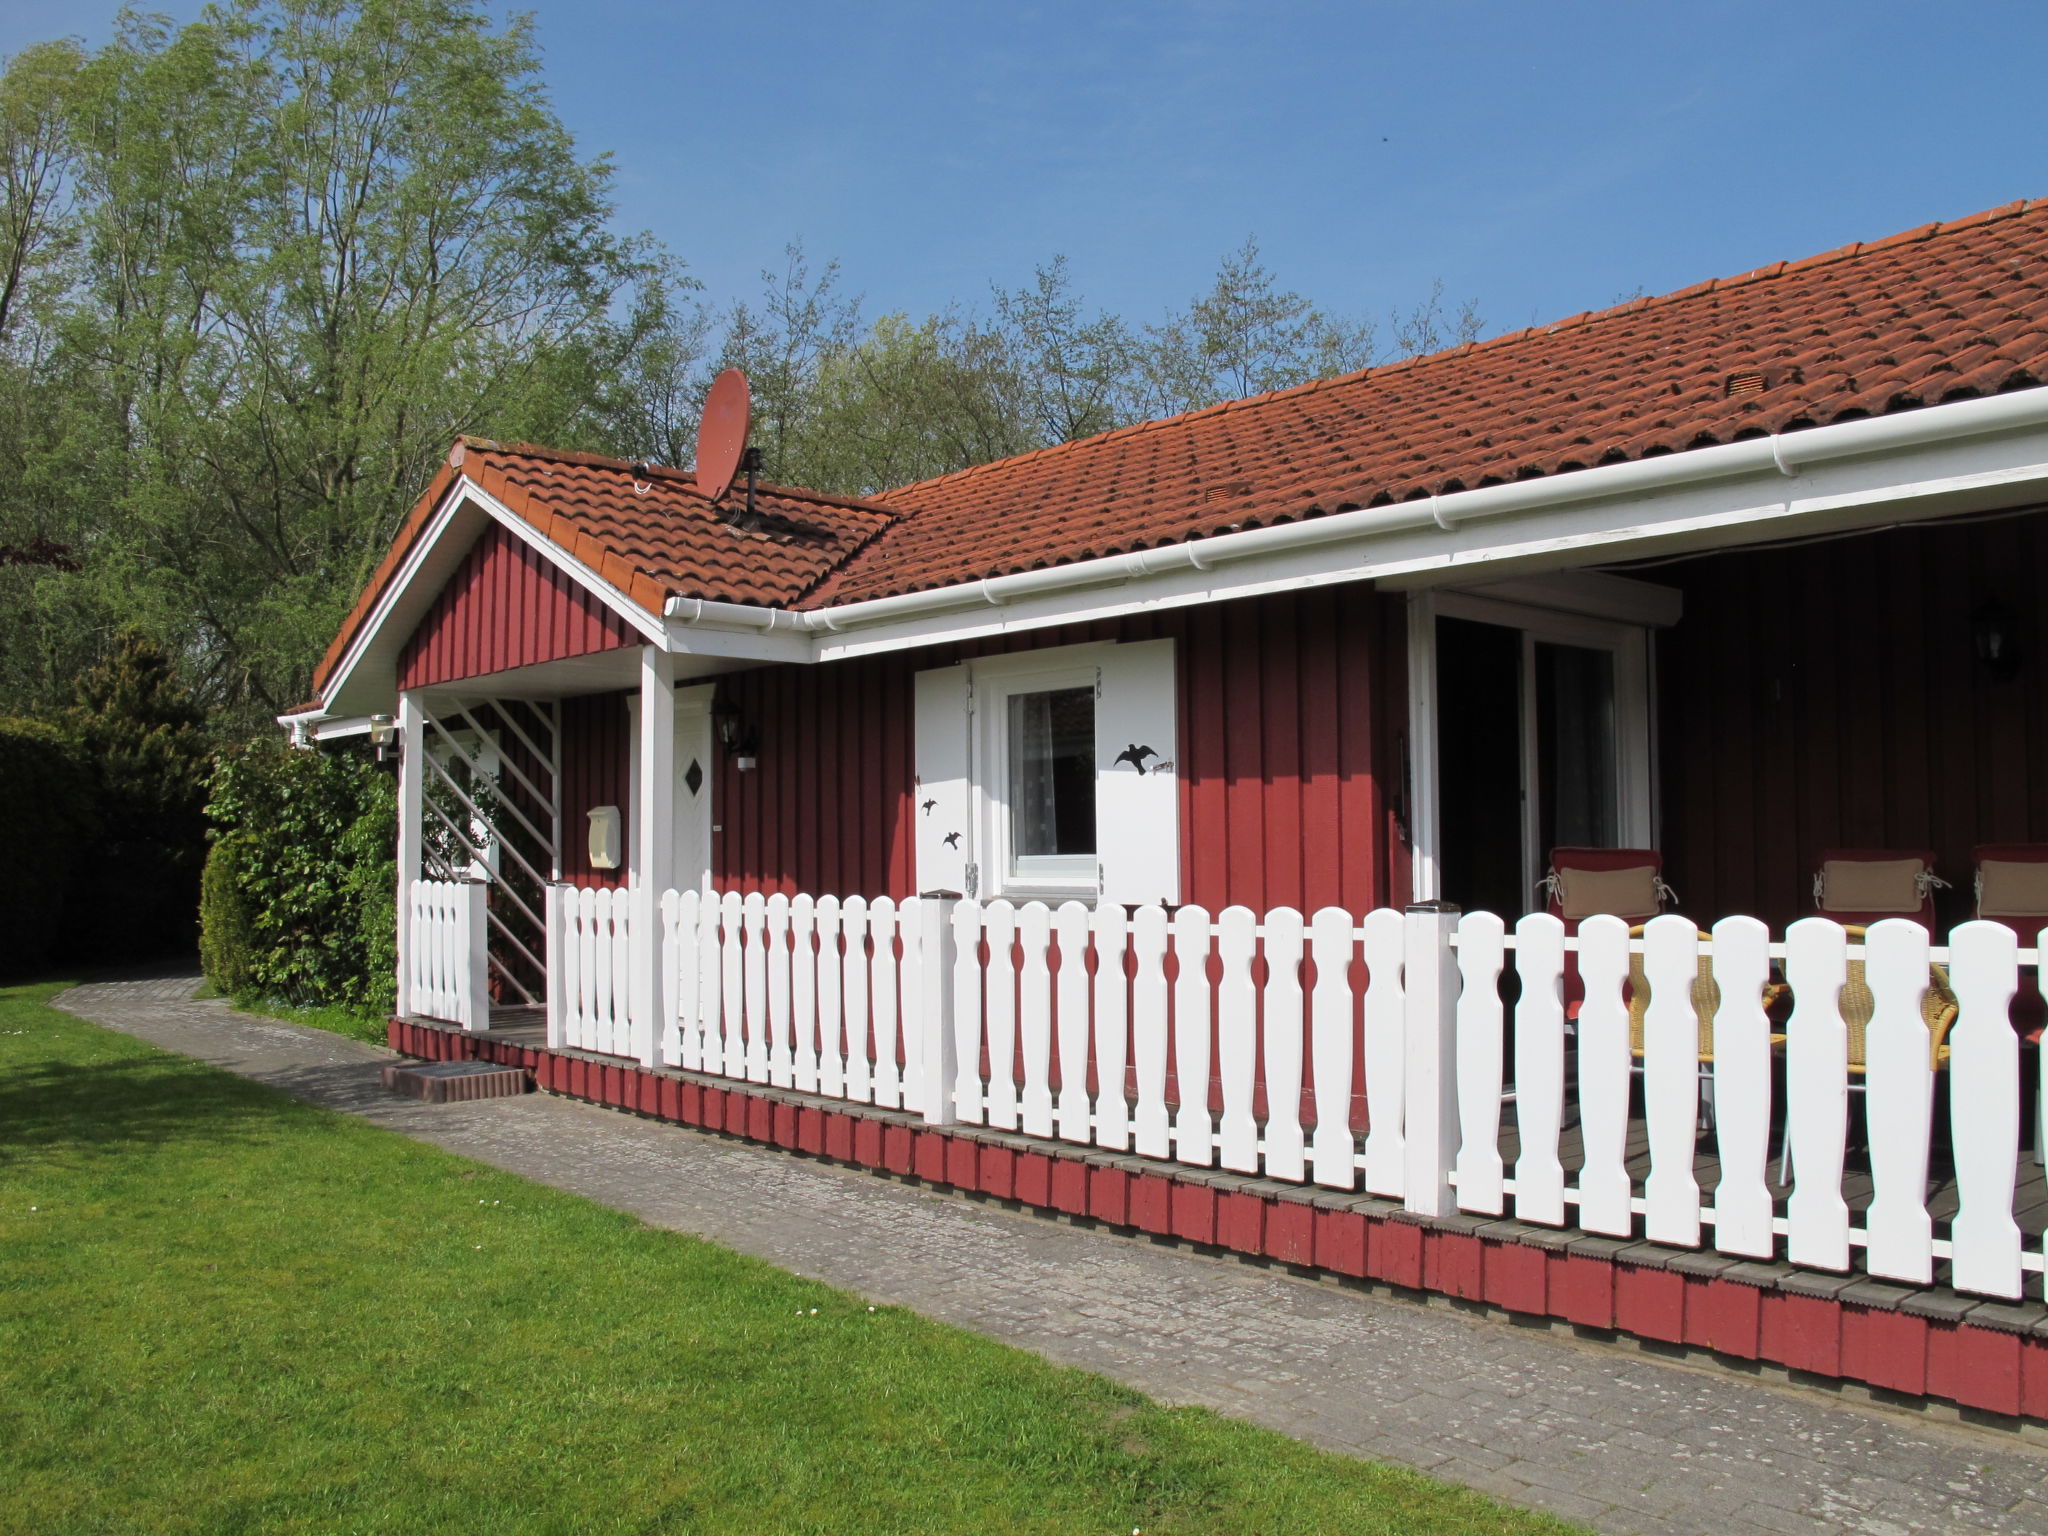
(1052, 773)
(1576, 747)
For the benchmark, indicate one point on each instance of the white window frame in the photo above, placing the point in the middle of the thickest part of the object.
(996, 682)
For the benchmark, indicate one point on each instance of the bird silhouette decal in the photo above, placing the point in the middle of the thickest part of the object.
(952, 839)
(928, 806)
(1135, 755)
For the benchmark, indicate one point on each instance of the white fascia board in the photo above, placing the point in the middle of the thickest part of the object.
(325, 729)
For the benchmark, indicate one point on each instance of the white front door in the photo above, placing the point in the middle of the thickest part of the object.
(694, 789)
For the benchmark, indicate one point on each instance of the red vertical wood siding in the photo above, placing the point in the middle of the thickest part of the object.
(597, 769)
(1290, 712)
(507, 606)
(1829, 695)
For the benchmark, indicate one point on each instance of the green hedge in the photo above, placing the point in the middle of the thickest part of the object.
(300, 903)
(49, 884)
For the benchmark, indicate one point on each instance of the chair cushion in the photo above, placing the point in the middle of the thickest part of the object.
(2012, 889)
(1583, 893)
(1871, 885)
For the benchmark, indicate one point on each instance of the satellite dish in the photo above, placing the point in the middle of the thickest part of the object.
(722, 436)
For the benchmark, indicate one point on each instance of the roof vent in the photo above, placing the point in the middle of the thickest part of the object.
(1754, 381)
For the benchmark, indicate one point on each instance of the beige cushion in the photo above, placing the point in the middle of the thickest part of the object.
(1871, 885)
(1615, 892)
(2012, 889)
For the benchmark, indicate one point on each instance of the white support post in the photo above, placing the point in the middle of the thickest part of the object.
(1430, 972)
(654, 843)
(476, 972)
(938, 953)
(412, 810)
(558, 966)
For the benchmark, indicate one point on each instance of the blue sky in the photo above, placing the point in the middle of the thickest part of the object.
(1542, 158)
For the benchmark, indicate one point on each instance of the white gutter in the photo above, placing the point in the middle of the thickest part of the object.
(1784, 454)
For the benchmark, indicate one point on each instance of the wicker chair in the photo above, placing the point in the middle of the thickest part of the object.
(1938, 1011)
(1706, 1001)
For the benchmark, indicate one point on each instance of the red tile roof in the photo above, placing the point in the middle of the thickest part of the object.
(1943, 312)
(645, 529)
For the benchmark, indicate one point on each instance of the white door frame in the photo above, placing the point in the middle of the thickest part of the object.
(1635, 737)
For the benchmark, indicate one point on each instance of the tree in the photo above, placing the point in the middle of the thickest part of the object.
(1078, 374)
(306, 243)
(1245, 336)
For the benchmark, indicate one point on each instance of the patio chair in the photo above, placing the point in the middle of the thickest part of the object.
(1706, 1001)
(1938, 1010)
(2011, 887)
(1867, 885)
(1627, 883)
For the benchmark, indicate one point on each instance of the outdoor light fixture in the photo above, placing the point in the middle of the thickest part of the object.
(384, 737)
(742, 742)
(1991, 629)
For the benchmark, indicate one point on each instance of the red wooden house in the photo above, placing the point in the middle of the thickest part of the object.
(1743, 574)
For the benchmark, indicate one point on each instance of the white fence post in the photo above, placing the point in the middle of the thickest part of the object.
(558, 968)
(476, 973)
(1430, 973)
(937, 1061)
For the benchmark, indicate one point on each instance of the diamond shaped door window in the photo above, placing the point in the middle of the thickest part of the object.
(693, 776)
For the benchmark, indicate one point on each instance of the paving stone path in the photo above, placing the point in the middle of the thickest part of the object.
(1621, 1441)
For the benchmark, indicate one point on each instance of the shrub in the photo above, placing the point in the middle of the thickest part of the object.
(47, 828)
(226, 944)
(316, 834)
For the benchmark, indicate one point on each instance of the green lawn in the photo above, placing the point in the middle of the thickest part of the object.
(224, 1311)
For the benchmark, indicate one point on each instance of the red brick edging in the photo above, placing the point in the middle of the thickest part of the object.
(1746, 1311)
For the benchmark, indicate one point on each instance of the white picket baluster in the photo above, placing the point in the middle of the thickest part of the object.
(1283, 1019)
(969, 1102)
(1671, 1081)
(1237, 1037)
(568, 954)
(999, 1003)
(1194, 1124)
(1605, 1191)
(733, 981)
(1112, 1025)
(853, 921)
(670, 1036)
(1333, 1152)
(1072, 1110)
(1153, 1135)
(1817, 1093)
(1898, 1102)
(803, 993)
(1034, 1016)
(910, 994)
(1743, 1209)
(595, 971)
(710, 987)
(831, 1007)
(1481, 954)
(883, 992)
(754, 919)
(1539, 1069)
(779, 1068)
(1984, 1082)
(1384, 1041)
(687, 988)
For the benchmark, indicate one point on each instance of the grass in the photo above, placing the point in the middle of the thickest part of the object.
(225, 1311)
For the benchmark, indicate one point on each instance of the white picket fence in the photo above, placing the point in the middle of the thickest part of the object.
(446, 972)
(1377, 1053)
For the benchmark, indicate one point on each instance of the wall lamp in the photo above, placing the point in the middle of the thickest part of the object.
(384, 737)
(742, 741)
(1991, 633)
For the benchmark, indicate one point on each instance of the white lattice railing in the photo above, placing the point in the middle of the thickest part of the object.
(1377, 1052)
